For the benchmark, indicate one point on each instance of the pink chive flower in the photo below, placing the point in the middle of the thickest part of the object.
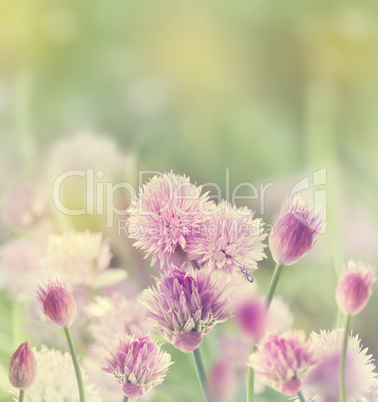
(252, 317)
(283, 361)
(323, 381)
(295, 231)
(355, 287)
(231, 241)
(22, 367)
(185, 306)
(57, 303)
(168, 209)
(138, 364)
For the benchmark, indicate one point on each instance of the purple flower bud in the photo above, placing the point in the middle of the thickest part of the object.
(251, 315)
(57, 303)
(23, 367)
(354, 289)
(294, 234)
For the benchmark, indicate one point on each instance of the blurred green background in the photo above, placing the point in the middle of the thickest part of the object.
(272, 91)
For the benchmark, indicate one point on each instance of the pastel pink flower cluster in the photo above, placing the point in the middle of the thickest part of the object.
(171, 212)
(205, 250)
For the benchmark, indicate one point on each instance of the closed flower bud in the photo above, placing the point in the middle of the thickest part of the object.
(354, 289)
(57, 303)
(295, 232)
(23, 367)
(252, 316)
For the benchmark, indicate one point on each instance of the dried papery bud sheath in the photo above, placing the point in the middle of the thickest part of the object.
(295, 231)
(355, 287)
(57, 303)
(22, 367)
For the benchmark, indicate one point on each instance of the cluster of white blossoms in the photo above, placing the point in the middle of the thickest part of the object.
(79, 257)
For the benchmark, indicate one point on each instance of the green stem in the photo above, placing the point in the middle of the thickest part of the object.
(268, 301)
(250, 380)
(75, 363)
(273, 284)
(300, 397)
(22, 395)
(338, 318)
(343, 358)
(201, 373)
(125, 399)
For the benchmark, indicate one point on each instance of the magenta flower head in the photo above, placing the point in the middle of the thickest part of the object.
(57, 303)
(137, 363)
(323, 381)
(23, 367)
(355, 287)
(283, 361)
(167, 211)
(252, 317)
(185, 306)
(295, 232)
(230, 242)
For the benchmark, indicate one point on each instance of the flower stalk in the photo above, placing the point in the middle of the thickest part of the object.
(75, 362)
(300, 397)
(273, 284)
(201, 374)
(272, 288)
(343, 359)
(22, 395)
(251, 380)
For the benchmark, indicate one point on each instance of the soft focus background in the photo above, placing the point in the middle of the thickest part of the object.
(272, 91)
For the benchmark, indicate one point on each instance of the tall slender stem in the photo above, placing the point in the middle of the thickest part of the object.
(125, 399)
(343, 358)
(250, 380)
(300, 397)
(273, 284)
(201, 374)
(22, 395)
(268, 301)
(79, 377)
